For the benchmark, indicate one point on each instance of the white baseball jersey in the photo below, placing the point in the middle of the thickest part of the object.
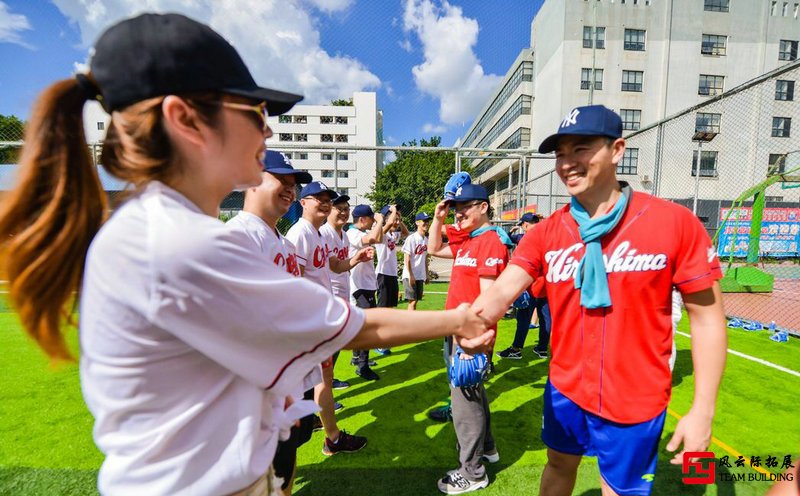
(363, 275)
(270, 242)
(311, 251)
(190, 345)
(338, 246)
(386, 253)
(416, 247)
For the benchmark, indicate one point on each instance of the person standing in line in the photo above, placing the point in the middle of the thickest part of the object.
(477, 261)
(538, 304)
(315, 263)
(609, 277)
(263, 206)
(367, 230)
(415, 261)
(189, 344)
(386, 267)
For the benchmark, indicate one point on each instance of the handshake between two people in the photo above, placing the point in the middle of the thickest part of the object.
(474, 334)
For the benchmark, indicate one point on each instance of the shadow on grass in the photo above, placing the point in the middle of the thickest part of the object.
(24, 481)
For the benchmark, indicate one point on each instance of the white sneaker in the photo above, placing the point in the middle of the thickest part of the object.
(491, 456)
(455, 483)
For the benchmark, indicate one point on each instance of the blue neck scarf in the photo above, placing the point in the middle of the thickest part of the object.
(592, 278)
(501, 233)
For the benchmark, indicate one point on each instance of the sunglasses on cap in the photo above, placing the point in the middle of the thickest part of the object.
(260, 110)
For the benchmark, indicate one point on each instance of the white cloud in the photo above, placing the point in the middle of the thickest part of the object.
(405, 44)
(11, 25)
(277, 39)
(433, 128)
(451, 72)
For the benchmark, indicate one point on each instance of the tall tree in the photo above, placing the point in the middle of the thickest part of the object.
(11, 129)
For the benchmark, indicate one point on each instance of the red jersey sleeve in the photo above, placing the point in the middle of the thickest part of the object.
(696, 262)
(529, 252)
(492, 256)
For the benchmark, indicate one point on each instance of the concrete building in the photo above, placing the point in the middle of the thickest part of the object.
(347, 171)
(647, 60)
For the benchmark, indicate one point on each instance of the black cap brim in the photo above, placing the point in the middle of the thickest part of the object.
(341, 199)
(278, 102)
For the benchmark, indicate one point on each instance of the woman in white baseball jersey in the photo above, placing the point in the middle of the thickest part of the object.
(189, 342)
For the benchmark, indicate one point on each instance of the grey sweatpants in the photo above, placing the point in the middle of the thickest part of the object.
(472, 422)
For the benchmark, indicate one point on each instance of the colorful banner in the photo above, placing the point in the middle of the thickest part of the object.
(517, 213)
(780, 232)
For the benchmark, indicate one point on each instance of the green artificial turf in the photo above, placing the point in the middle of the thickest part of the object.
(46, 446)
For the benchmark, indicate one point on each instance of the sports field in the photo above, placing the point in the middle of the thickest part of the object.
(46, 446)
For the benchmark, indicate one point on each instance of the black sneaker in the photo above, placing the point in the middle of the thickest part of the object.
(455, 483)
(540, 353)
(337, 406)
(316, 424)
(345, 444)
(337, 384)
(511, 353)
(367, 373)
(441, 414)
(371, 363)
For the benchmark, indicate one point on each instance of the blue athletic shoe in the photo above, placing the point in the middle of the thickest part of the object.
(383, 351)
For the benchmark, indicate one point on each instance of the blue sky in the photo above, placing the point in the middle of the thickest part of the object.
(432, 63)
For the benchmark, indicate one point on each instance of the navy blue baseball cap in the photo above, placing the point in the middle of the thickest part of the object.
(315, 188)
(591, 120)
(527, 217)
(278, 163)
(422, 216)
(341, 199)
(385, 210)
(469, 192)
(362, 211)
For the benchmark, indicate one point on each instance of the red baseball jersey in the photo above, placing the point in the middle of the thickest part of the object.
(613, 361)
(482, 256)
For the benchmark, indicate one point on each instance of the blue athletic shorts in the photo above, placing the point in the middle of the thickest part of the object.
(626, 453)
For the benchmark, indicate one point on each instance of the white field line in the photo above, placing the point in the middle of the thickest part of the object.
(754, 359)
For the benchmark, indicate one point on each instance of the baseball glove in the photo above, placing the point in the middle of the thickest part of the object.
(523, 300)
(456, 181)
(466, 373)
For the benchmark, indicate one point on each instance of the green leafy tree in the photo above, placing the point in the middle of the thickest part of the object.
(11, 129)
(342, 103)
(415, 179)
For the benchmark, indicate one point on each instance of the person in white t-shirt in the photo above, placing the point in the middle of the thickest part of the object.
(386, 269)
(189, 342)
(317, 264)
(263, 206)
(367, 230)
(415, 261)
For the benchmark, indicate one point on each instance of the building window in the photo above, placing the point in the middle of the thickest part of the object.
(784, 90)
(327, 173)
(600, 37)
(710, 85)
(343, 174)
(300, 156)
(342, 156)
(326, 138)
(708, 164)
(300, 119)
(101, 126)
(285, 119)
(631, 119)
(776, 165)
(787, 50)
(716, 5)
(714, 44)
(586, 77)
(285, 137)
(326, 119)
(341, 120)
(327, 156)
(634, 39)
(707, 123)
(341, 138)
(630, 161)
(632, 80)
(781, 127)
(301, 137)
(785, 9)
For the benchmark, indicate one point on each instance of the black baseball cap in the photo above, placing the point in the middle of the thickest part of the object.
(163, 54)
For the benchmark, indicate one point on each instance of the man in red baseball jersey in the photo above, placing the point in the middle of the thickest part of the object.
(610, 260)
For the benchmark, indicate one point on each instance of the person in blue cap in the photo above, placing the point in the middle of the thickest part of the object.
(610, 259)
(478, 259)
(415, 261)
(394, 230)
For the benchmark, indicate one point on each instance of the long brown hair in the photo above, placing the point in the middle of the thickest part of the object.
(58, 204)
